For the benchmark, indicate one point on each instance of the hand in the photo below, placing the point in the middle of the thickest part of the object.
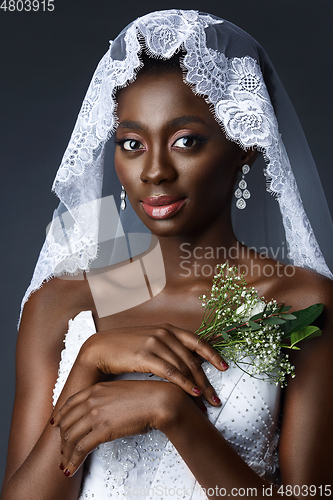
(112, 410)
(166, 351)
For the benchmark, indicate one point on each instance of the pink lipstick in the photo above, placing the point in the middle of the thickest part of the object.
(162, 207)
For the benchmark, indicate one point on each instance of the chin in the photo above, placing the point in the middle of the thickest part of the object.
(165, 228)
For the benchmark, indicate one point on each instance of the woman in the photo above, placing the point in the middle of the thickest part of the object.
(178, 151)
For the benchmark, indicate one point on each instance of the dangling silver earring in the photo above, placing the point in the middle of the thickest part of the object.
(241, 192)
(122, 197)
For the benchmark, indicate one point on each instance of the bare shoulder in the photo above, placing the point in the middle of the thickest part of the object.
(295, 286)
(300, 288)
(49, 309)
(65, 296)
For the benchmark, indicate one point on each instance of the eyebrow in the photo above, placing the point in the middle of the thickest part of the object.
(176, 122)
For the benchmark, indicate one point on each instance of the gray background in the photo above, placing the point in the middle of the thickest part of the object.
(47, 60)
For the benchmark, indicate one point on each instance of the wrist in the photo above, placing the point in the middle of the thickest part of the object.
(88, 359)
(83, 374)
(175, 406)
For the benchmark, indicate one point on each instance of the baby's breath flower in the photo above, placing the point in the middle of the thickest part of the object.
(255, 347)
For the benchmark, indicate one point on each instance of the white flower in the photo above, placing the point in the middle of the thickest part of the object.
(247, 119)
(245, 75)
(246, 110)
(164, 34)
(258, 308)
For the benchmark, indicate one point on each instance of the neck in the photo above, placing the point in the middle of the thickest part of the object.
(192, 258)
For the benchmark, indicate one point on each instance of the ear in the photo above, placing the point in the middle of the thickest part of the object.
(249, 156)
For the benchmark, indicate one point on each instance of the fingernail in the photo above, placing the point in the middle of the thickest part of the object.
(224, 365)
(52, 421)
(196, 390)
(67, 473)
(61, 467)
(203, 408)
(216, 399)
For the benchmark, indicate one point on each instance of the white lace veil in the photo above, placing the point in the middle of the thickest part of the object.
(234, 74)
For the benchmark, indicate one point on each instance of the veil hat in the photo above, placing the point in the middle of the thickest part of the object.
(287, 215)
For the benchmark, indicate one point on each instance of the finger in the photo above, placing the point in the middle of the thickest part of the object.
(200, 378)
(175, 371)
(175, 375)
(189, 366)
(196, 344)
(70, 421)
(194, 372)
(163, 355)
(71, 403)
(200, 403)
(78, 447)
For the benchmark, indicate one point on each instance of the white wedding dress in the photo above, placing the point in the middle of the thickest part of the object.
(148, 466)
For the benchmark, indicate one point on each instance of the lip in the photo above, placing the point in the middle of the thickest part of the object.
(162, 207)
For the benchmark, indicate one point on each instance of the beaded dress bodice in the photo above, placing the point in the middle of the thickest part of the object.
(148, 466)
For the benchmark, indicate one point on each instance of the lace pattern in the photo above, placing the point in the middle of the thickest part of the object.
(247, 419)
(79, 330)
(234, 87)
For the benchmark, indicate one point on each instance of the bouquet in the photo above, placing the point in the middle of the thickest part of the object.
(251, 332)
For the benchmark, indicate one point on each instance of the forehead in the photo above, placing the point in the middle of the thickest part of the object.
(161, 97)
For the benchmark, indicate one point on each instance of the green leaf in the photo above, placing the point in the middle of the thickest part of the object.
(285, 309)
(273, 321)
(225, 335)
(304, 317)
(256, 316)
(314, 334)
(254, 326)
(305, 333)
(231, 327)
(287, 316)
(244, 329)
(290, 347)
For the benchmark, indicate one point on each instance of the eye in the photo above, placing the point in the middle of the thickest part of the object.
(185, 142)
(131, 144)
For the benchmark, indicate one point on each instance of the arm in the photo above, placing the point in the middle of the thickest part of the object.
(306, 437)
(34, 451)
(106, 412)
(305, 444)
(306, 441)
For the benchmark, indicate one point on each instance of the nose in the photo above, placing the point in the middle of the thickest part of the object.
(158, 168)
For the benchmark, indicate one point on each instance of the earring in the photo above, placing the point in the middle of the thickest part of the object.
(245, 194)
(122, 197)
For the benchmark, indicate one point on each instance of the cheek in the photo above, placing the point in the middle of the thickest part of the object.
(214, 174)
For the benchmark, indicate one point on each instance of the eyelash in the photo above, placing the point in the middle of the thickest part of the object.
(121, 143)
(199, 140)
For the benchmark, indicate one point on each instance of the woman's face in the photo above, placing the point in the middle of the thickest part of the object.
(173, 159)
